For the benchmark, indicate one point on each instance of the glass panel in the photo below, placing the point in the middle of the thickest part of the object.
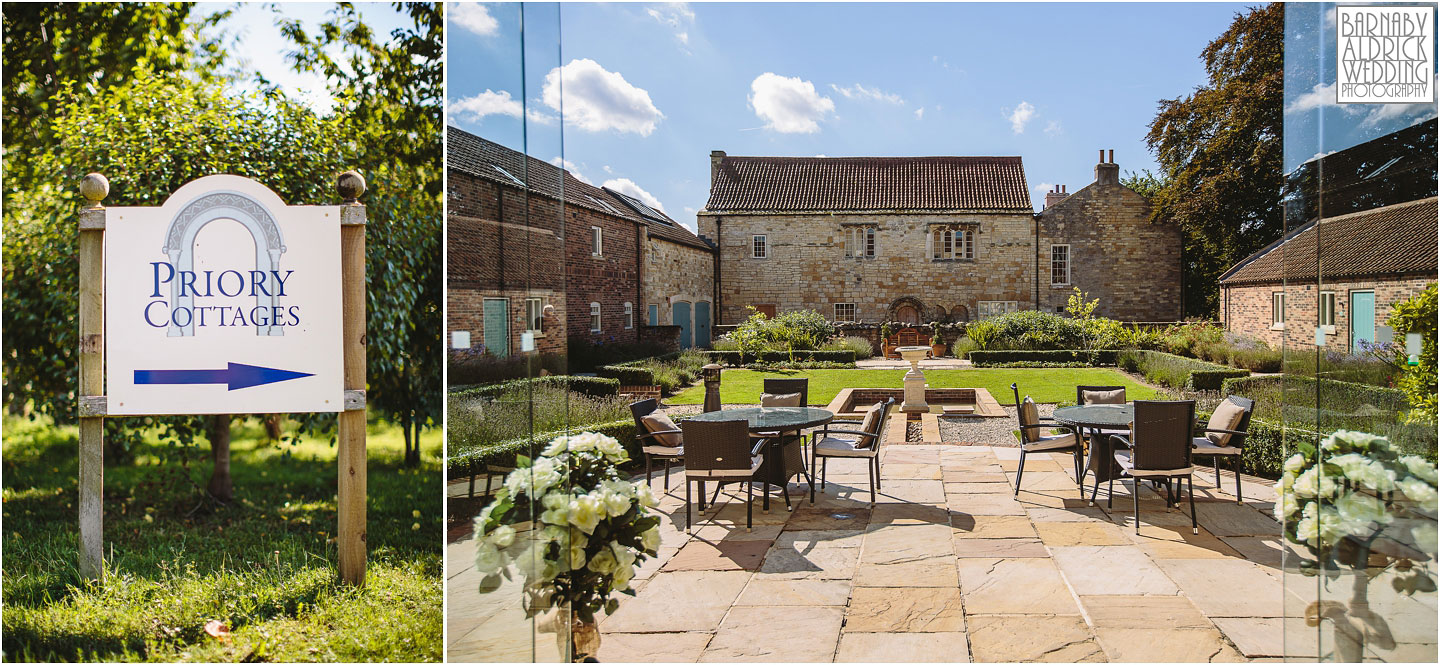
(1359, 421)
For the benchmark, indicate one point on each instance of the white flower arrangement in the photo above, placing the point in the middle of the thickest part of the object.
(590, 527)
(1353, 487)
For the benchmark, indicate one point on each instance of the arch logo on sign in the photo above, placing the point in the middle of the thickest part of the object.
(223, 300)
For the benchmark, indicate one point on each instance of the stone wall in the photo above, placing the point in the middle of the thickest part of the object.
(1248, 310)
(1116, 254)
(675, 272)
(806, 267)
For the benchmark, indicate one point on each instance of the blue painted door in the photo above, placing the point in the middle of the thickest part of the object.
(1362, 319)
(654, 315)
(702, 324)
(680, 316)
(497, 326)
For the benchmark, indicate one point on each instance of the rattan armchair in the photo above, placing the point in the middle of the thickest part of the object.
(835, 441)
(651, 446)
(1033, 440)
(724, 452)
(1234, 447)
(1160, 445)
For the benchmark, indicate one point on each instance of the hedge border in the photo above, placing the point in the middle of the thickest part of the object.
(593, 386)
(1015, 358)
(1199, 374)
(503, 453)
(631, 373)
(740, 358)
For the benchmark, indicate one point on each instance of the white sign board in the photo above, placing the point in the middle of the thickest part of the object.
(223, 300)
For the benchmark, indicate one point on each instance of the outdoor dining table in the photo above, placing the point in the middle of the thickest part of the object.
(1097, 417)
(779, 468)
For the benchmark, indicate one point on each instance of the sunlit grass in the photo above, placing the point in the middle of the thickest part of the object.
(743, 386)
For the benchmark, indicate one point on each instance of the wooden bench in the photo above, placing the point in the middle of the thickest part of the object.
(906, 337)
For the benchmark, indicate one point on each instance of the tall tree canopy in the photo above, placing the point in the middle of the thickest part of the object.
(1219, 151)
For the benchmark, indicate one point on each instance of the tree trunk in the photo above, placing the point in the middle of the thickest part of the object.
(412, 454)
(273, 424)
(219, 434)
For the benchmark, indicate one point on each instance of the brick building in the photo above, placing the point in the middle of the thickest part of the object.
(1371, 260)
(583, 269)
(917, 239)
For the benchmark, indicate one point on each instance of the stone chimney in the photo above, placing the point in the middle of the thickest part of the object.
(715, 157)
(1107, 172)
(1055, 196)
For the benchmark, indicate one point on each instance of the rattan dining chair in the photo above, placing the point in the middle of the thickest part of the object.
(653, 444)
(1032, 440)
(724, 452)
(833, 441)
(1217, 442)
(784, 387)
(1160, 444)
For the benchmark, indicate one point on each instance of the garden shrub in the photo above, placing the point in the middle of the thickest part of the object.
(1342, 366)
(1418, 315)
(1079, 358)
(590, 386)
(1181, 339)
(1326, 405)
(471, 367)
(478, 420)
(1026, 330)
(1176, 371)
(859, 345)
(670, 371)
(789, 366)
(799, 330)
(739, 358)
(470, 461)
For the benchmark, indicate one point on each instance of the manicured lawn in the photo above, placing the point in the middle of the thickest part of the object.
(263, 565)
(743, 386)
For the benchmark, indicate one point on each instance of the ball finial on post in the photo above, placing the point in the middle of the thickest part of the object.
(94, 187)
(351, 185)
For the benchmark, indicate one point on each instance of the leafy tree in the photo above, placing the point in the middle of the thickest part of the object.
(1418, 315)
(1219, 151)
(390, 94)
(1146, 184)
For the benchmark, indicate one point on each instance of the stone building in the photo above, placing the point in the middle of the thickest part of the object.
(594, 267)
(1372, 260)
(917, 239)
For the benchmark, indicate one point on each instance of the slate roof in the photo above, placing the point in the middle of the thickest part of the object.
(1391, 240)
(822, 184)
(479, 157)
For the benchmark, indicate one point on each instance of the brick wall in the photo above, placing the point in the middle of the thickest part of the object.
(1116, 254)
(610, 279)
(806, 266)
(1248, 310)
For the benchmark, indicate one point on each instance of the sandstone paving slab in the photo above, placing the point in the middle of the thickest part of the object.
(893, 471)
(904, 610)
(776, 634)
(912, 491)
(719, 555)
(992, 526)
(1264, 550)
(803, 539)
(652, 565)
(991, 477)
(1150, 645)
(1255, 636)
(1152, 513)
(1058, 498)
(503, 640)
(961, 470)
(910, 455)
(906, 543)
(1227, 587)
(808, 518)
(780, 592)
(1188, 546)
(909, 514)
(732, 514)
(811, 562)
(967, 487)
(680, 601)
(1003, 453)
(1233, 519)
(1035, 464)
(1151, 612)
(716, 531)
(652, 647)
(1081, 514)
(1014, 586)
(1012, 548)
(1068, 534)
(1056, 480)
(1032, 639)
(937, 572)
(1111, 570)
(903, 648)
(984, 504)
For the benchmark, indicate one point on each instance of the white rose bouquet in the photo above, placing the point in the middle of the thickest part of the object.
(1356, 496)
(590, 527)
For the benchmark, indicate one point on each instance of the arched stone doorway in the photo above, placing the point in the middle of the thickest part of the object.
(907, 310)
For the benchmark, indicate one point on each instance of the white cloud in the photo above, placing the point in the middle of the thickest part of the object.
(821, 155)
(859, 91)
(677, 16)
(1321, 95)
(1053, 128)
(1044, 187)
(490, 102)
(570, 166)
(787, 104)
(596, 100)
(920, 113)
(474, 17)
(606, 168)
(1021, 116)
(627, 186)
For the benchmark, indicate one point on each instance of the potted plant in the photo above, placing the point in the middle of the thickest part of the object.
(574, 529)
(937, 345)
(886, 348)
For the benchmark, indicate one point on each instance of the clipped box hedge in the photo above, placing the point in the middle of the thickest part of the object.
(633, 373)
(469, 462)
(593, 386)
(1177, 372)
(1043, 358)
(740, 358)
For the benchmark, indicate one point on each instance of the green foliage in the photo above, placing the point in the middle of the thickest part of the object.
(800, 330)
(467, 367)
(1067, 357)
(670, 372)
(739, 358)
(1144, 183)
(481, 420)
(591, 386)
(1219, 152)
(1326, 405)
(463, 462)
(1418, 315)
(1026, 330)
(1175, 371)
(963, 347)
(860, 345)
(264, 564)
(744, 386)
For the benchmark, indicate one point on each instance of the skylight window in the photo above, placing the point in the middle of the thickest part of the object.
(1384, 166)
(507, 174)
(603, 205)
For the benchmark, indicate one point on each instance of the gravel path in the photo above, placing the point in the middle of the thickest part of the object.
(986, 431)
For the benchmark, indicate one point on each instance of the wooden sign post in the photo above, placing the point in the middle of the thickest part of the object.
(186, 331)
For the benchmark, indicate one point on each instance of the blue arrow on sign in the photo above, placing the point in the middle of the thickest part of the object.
(235, 376)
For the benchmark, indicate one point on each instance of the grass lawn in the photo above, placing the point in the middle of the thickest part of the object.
(743, 386)
(263, 565)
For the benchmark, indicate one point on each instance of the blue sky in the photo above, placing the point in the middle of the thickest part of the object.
(651, 89)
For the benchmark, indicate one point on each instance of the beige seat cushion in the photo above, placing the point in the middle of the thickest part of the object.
(871, 423)
(659, 422)
(1104, 396)
(1056, 442)
(1226, 416)
(781, 399)
(837, 447)
(1204, 446)
(1029, 415)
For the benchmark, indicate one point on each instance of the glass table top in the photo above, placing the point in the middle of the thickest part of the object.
(1096, 415)
(771, 418)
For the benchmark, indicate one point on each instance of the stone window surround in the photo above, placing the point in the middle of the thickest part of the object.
(759, 246)
(862, 233)
(933, 249)
(853, 310)
(1056, 263)
(595, 324)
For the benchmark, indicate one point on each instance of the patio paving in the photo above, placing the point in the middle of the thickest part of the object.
(947, 566)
